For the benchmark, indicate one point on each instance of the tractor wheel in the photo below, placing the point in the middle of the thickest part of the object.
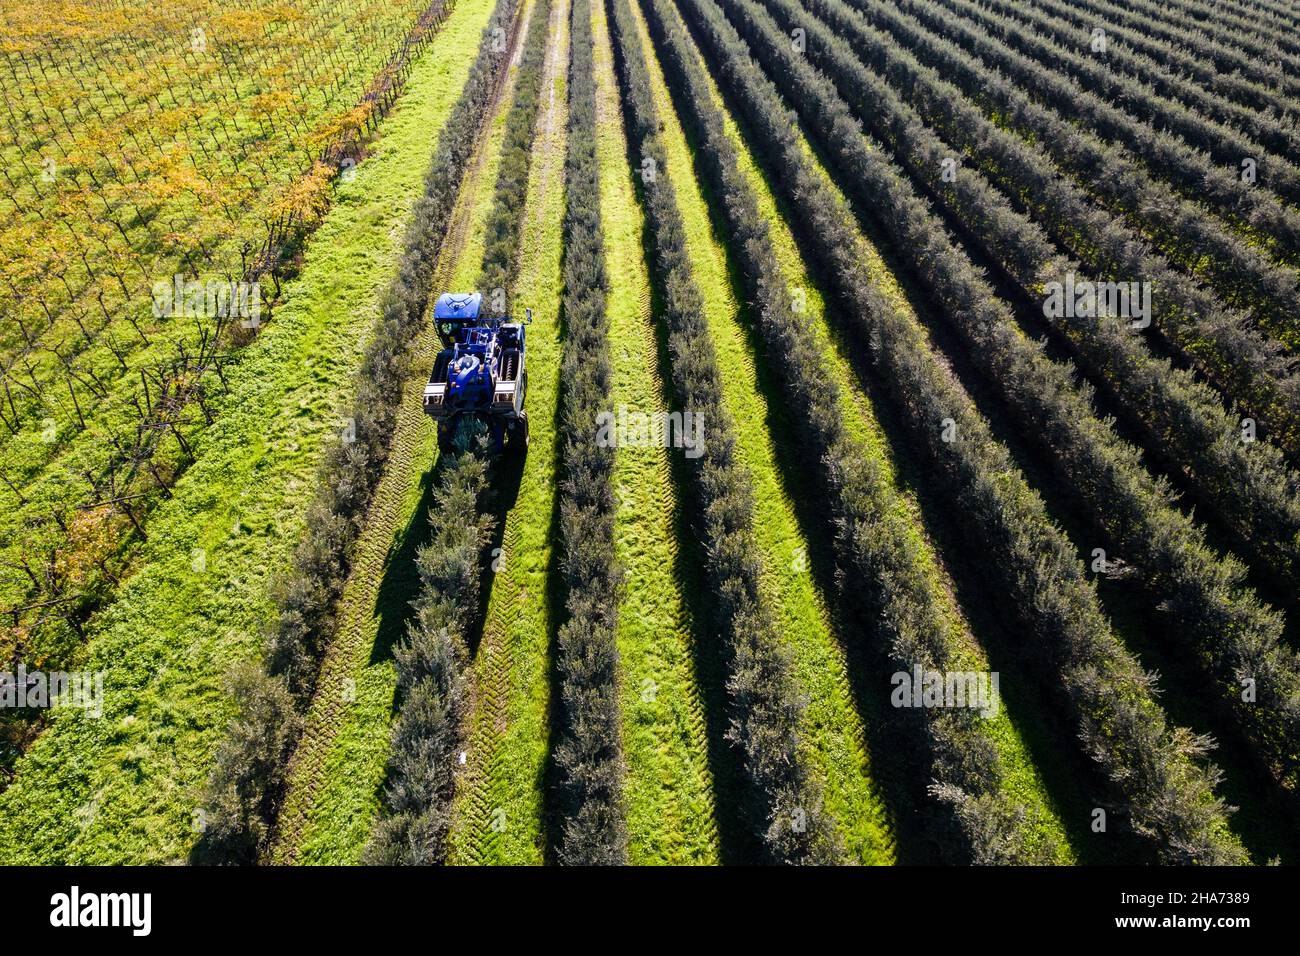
(447, 437)
(517, 439)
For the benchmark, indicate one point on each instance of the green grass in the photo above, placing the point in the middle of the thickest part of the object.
(1025, 784)
(834, 736)
(339, 770)
(499, 810)
(669, 797)
(125, 788)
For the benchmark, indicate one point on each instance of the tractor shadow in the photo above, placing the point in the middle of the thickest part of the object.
(400, 585)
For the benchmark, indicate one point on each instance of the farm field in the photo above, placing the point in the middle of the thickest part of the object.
(877, 441)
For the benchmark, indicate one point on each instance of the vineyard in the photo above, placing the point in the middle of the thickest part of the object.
(908, 472)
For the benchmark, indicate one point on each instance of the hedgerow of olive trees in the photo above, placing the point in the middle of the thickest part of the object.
(765, 708)
(431, 682)
(588, 749)
(872, 532)
(1236, 637)
(1154, 770)
(431, 674)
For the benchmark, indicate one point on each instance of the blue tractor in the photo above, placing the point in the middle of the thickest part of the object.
(479, 373)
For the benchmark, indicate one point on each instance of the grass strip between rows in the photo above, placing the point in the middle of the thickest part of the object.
(588, 748)
(1237, 638)
(875, 540)
(674, 793)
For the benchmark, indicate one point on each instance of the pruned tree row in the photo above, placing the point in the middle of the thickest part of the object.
(877, 552)
(1275, 20)
(431, 684)
(247, 785)
(1269, 26)
(1253, 208)
(764, 704)
(1214, 339)
(505, 221)
(1154, 770)
(1248, 481)
(1201, 591)
(1075, 63)
(588, 749)
(416, 818)
(1137, 56)
(1226, 51)
(1242, 275)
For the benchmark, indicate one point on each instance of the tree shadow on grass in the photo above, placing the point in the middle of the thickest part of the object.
(400, 584)
(736, 834)
(1265, 821)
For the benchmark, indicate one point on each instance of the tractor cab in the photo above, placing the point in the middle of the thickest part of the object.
(480, 372)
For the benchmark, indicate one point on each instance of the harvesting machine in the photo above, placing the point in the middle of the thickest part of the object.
(479, 373)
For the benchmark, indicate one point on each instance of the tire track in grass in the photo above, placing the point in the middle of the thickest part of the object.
(338, 767)
(834, 734)
(669, 795)
(499, 808)
(861, 421)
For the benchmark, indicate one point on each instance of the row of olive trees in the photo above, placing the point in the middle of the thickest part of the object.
(431, 682)
(764, 702)
(1222, 141)
(1261, 70)
(1262, 18)
(1035, 65)
(431, 662)
(1155, 775)
(588, 747)
(881, 572)
(1194, 324)
(1237, 102)
(1241, 274)
(1237, 639)
(247, 784)
(505, 220)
